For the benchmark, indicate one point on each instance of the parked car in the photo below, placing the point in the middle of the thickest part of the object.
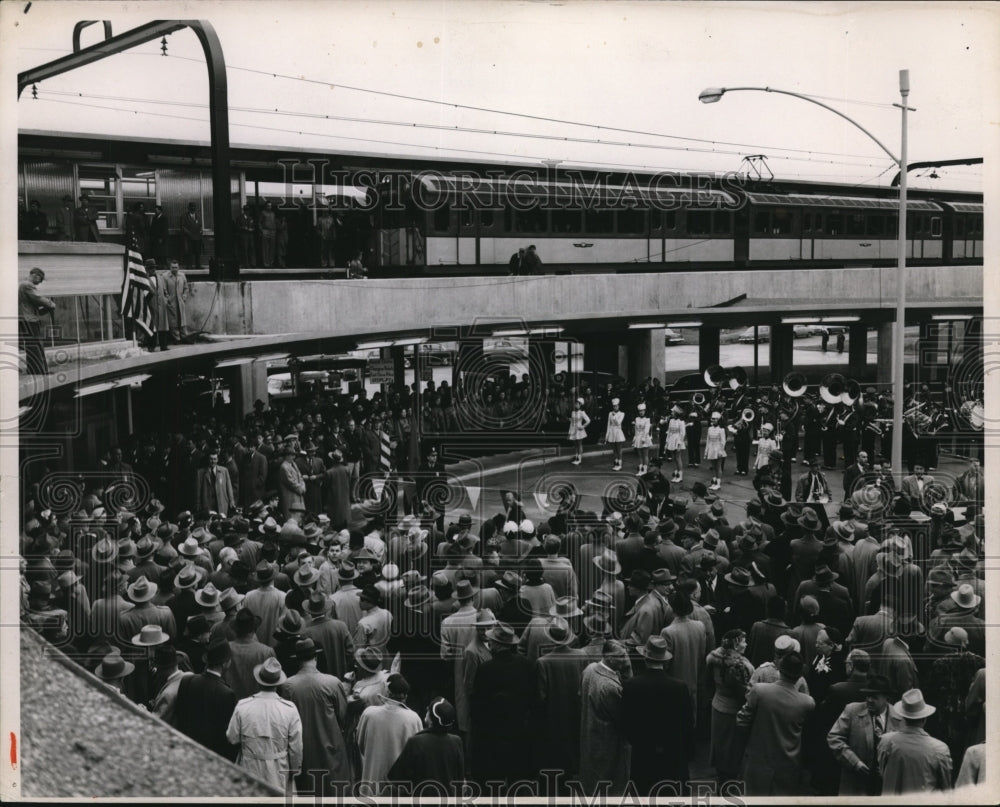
(801, 331)
(763, 334)
(432, 354)
(830, 330)
(672, 337)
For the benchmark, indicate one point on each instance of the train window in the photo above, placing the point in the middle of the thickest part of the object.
(722, 222)
(486, 218)
(100, 184)
(834, 224)
(138, 186)
(781, 221)
(762, 222)
(977, 224)
(669, 219)
(855, 224)
(876, 224)
(632, 221)
(699, 222)
(508, 220)
(442, 217)
(936, 226)
(960, 226)
(531, 221)
(468, 218)
(807, 222)
(566, 221)
(599, 221)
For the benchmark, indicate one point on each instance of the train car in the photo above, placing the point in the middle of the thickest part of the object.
(409, 216)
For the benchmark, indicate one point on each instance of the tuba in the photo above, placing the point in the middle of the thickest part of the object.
(831, 388)
(737, 378)
(851, 394)
(794, 385)
(715, 376)
(698, 399)
(748, 415)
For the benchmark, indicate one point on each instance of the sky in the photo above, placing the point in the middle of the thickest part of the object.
(636, 67)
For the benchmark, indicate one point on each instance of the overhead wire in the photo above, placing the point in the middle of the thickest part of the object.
(523, 115)
(436, 127)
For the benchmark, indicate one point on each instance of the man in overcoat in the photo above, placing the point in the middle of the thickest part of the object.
(604, 750)
(175, 294)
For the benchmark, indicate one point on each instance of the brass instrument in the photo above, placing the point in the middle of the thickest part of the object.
(748, 415)
(737, 378)
(851, 394)
(698, 399)
(794, 385)
(832, 388)
(715, 376)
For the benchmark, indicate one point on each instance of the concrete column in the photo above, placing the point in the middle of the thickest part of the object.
(883, 370)
(647, 355)
(398, 353)
(249, 382)
(857, 351)
(781, 352)
(708, 346)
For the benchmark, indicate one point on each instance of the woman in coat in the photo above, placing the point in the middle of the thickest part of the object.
(731, 671)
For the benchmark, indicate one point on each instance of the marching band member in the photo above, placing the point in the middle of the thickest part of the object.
(694, 438)
(578, 422)
(676, 441)
(812, 434)
(715, 449)
(742, 440)
(643, 439)
(828, 434)
(847, 432)
(765, 445)
(614, 435)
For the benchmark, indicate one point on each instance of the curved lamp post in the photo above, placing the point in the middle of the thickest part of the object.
(713, 94)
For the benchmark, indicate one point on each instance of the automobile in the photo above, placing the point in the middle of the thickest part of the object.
(801, 331)
(687, 385)
(763, 334)
(672, 337)
(432, 354)
(829, 330)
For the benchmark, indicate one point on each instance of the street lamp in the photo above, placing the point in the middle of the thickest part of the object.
(711, 95)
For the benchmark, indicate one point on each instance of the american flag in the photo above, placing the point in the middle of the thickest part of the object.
(137, 291)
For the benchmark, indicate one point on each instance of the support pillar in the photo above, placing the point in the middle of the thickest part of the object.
(600, 354)
(646, 356)
(398, 354)
(883, 367)
(708, 346)
(249, 382)
(857, 351)
(781, 352)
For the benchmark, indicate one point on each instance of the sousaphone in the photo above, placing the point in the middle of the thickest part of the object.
(716, 375)
(832, 388)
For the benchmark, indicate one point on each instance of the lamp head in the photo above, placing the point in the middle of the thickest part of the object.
(711, 94)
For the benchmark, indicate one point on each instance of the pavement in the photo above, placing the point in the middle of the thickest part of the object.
(542, 472)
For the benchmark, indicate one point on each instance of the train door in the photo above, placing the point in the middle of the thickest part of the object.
(741, 236)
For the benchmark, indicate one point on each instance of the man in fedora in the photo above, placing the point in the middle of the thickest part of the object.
(247, 651)
(144, 612)
(169, 676)
(774, 715)
(652, 701)
(504, 695)
(475, 653)
(268, 730)
(383, 732)
(649, 614)
(909, 759)
(604, 750)
(458, 629)
(347, 597)
(962, 615)
(113, 670)
(291, 484)
(834, 599)
(322, 707)
(560, 672)
(266, 602)
(330, 635)
(205, 702)
(855, 736)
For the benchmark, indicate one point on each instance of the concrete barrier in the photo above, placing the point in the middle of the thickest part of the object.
(360, 306)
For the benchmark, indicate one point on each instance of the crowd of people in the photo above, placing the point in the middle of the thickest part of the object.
(298, 596)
